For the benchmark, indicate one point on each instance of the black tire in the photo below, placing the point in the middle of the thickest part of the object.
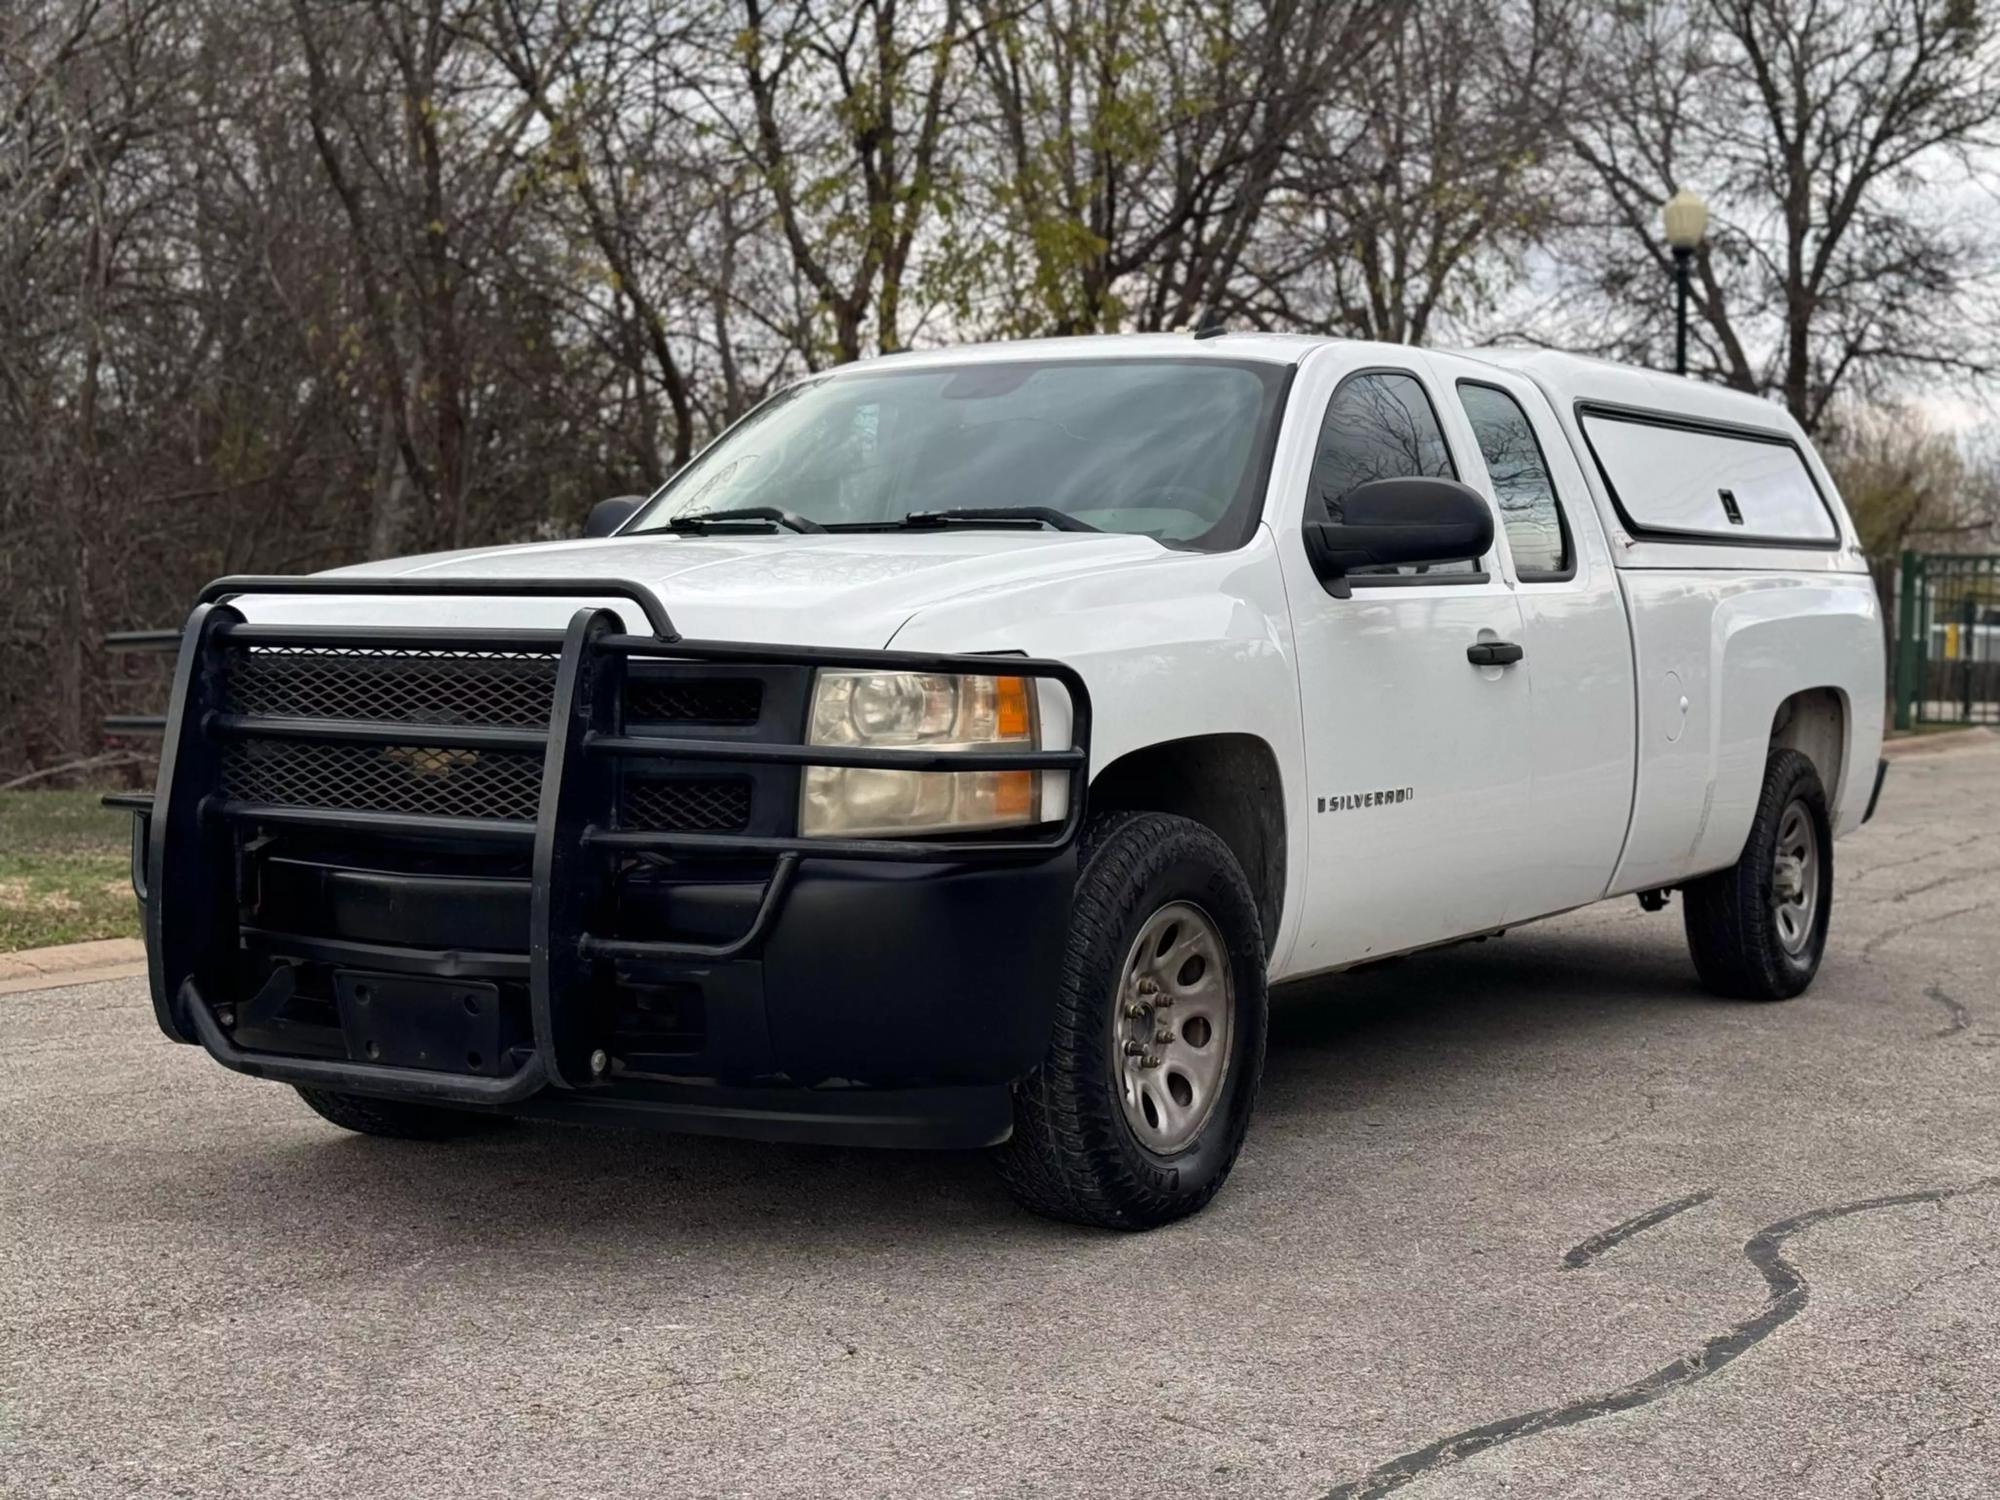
(1073, 1155)
(396, 1119)
(1731, 916)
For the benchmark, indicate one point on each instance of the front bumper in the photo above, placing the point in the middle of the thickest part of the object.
(750, 982)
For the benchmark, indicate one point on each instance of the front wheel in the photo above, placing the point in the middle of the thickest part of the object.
(1757, 930)
(1136, 1116)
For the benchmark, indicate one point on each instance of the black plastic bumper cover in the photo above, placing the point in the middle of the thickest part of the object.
(954, 1118)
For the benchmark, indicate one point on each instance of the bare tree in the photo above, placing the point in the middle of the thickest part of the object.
(193, 377)
(1827, 137)
(1907, 484)
(1140, 146)
(91, 94)
(419, 154)
(1417, 189)
(603, 81)
(844, 111)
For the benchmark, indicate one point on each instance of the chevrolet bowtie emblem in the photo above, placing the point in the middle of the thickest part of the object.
(429, 760)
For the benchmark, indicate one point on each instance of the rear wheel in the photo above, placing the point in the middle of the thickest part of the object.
(1757, 931)
(1136, 1116)
(396, 1118)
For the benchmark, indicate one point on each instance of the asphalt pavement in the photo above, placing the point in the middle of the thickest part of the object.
(1534, 1217)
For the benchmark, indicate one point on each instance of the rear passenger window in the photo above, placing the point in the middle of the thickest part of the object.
(1529, 509)
(1707, 485)
(1379, 426)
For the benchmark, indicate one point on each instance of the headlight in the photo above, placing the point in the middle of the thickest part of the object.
(919, 711)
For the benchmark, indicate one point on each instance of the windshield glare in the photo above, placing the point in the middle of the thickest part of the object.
(1173, 449)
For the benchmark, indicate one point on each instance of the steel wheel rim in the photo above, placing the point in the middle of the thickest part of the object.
(1795, 879)
(1175, 1021)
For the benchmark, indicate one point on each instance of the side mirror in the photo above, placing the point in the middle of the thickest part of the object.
(1387, 521)
(608, 515)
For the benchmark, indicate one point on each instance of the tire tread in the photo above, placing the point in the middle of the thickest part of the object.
(1730, 935)
(1066, 1159)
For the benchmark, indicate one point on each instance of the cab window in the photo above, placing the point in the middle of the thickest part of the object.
(1379, 425)
(1537, 534)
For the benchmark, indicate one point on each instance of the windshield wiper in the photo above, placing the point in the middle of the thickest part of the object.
(1003, 515)
(771, 515)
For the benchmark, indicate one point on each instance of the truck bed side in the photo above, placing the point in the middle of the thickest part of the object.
(1734, 648)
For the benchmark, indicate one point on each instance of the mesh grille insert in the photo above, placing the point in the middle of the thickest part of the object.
(503, 689)
(694, 700)
(509, 690)
(441, 783)
(687, 805)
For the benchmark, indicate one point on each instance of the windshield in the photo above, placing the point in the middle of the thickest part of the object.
(1174, 449)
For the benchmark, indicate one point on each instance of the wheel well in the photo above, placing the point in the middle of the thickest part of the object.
(1228, 782)
(1814, 723)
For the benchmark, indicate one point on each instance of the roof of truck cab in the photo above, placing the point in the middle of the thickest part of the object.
(1269, 348)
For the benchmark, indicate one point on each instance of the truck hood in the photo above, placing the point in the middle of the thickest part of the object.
(851, 590)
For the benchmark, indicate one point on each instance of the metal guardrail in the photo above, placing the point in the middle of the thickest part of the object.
(139, 642)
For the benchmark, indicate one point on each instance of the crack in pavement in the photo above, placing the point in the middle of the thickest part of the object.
(1878, 1475)
(1925, 1283)
(1896, 898)
(1954, 1008)
(1632, 1123)
(1868, 948)
(1952, 877)
(1917, 859)
(1789, 1292)
(1597, 1244)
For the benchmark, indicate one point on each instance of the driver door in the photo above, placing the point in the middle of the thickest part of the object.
(1418, 757)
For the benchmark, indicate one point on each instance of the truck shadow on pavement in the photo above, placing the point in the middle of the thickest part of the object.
(1495, 988)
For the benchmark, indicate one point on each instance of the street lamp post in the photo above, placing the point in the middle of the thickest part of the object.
(1687, 220)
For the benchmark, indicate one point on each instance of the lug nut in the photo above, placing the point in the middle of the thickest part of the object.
(1151, 1060)
(598, 1063)
(1162, 1000)
(1135, 1012)
(1135, 1049)
(1162, 1037)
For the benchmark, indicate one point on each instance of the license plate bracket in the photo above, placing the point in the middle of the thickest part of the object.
(405, 1021)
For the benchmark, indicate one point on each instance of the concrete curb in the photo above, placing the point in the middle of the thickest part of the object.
(71, 963)
(1950, 739)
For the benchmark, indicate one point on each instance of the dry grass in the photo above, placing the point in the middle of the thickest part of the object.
(64, 870)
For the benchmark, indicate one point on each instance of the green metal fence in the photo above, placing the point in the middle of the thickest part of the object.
(1948, 639)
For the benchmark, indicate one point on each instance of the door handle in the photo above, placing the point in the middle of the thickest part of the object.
(1493, 653)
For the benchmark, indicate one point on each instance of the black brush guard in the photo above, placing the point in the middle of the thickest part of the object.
(189, 835)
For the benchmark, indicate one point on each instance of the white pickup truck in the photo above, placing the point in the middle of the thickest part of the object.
(955, 751)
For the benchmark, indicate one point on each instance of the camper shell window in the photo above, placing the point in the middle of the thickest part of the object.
(1673, 478)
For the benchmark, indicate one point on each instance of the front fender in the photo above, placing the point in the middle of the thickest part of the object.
(1182, 645)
